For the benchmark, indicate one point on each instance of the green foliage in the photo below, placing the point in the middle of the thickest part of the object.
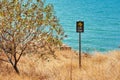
(23, 21)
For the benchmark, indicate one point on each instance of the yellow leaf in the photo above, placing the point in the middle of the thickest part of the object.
(27, 26)
(16, 1)
(1, 14)
(18, 17)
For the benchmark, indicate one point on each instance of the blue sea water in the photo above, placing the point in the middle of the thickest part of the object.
(101, 19)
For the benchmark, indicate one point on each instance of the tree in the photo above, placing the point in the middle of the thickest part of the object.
(26, 21)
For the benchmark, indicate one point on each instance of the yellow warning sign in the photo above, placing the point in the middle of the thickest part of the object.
(80, 26)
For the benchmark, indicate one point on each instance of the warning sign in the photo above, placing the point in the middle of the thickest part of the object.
(79, 26)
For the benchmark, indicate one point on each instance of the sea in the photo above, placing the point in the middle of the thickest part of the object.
(101, 23)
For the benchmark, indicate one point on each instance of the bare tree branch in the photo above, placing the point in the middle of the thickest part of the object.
(4, 60)
(23, 49)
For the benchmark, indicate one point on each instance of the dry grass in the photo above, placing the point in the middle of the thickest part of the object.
(94, 67)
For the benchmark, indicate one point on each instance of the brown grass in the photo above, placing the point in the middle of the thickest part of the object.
(94, 67)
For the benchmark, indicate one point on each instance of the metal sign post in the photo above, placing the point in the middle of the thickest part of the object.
(79, 49)
(79, 29)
